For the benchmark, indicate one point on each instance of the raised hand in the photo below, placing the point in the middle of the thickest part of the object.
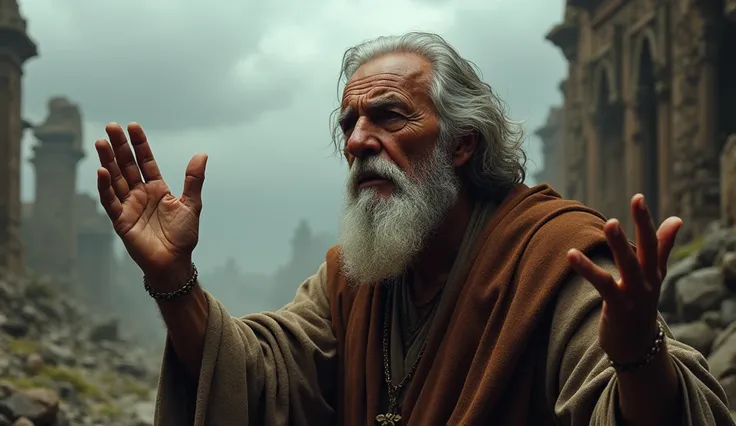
(628, 324)
(158, 229)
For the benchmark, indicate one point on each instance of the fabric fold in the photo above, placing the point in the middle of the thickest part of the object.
(262, 369)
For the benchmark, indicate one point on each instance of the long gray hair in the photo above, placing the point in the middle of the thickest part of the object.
(465, 106)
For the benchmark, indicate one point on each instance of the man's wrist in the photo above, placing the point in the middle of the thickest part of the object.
(656, 343)
(171, 279)
(650, 396)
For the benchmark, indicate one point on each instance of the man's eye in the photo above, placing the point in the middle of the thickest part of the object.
(391, 115)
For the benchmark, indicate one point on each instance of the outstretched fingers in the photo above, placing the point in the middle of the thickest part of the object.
(601, 279)
(194, 180)
(667, 236)
(144, 155)
(628, 265)
(124, 155)
(107, 160)
(646, 241)
(108, 199)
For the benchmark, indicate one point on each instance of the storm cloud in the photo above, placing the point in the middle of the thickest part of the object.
(252, 84)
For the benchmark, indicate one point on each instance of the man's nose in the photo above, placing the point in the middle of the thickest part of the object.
(362, 141)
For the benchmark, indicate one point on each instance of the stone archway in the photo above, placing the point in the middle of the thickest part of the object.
(648, 121)
(609, 126)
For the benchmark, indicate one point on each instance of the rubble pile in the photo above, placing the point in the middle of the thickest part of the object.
(62, 365)
(698, 301)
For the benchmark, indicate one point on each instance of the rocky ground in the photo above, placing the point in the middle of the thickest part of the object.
(699, 302)
(59, 366)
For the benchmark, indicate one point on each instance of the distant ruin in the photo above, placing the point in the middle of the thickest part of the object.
(62, 234)
(16, 47)
(66, 235)
(649, 102)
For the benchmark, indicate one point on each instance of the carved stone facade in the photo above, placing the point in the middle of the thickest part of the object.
(15, 49)
(649, 102)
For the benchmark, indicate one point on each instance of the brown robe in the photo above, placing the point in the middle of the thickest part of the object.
(300, 365)
(479, 363)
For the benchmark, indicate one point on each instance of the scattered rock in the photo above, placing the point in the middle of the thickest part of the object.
(40, 406)
(700, 291)
(715, 245)
(60, 365)
(699, 301)
(107, 331)
(729, 270)
(698, 335)
(34, 363)
(15, 328)
(668, 298)
(728, 311)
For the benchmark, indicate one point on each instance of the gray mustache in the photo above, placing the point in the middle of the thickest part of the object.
(377, 166)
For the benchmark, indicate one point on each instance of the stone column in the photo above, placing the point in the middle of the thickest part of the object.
(728, 182)
(95, 251)
(705, 179)
(664, 111)
(694, 172)
(53, 249)
(641, 135)
(15, 49)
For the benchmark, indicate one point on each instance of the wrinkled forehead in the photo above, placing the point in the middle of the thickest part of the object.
(403, 74)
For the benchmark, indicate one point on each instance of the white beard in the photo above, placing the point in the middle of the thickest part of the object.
(380, 236)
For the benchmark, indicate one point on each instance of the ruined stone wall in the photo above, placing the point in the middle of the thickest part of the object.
(15, 48)
(641, 106)
(95, 252)
(11, 253)
(53, 245)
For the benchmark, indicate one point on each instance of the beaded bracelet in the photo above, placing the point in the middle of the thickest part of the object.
(181, 291)
(653, 351)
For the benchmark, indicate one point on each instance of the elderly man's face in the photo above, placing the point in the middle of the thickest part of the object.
(402, 178)
(387, 112)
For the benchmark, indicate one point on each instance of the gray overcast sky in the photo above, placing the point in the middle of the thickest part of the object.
(252, 83)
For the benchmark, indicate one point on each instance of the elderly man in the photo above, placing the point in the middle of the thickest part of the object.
(457, 295)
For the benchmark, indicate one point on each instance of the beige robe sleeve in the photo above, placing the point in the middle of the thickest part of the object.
(272, 368)
(582, 386)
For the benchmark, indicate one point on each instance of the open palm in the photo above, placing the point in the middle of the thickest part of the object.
(158, 229)
(628, 324)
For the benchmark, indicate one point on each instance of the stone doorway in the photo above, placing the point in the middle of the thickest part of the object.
(611, 182)
(646, 93)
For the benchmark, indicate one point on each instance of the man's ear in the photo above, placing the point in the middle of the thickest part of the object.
(464, 150)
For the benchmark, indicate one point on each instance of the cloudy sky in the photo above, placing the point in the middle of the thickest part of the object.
(252, 84)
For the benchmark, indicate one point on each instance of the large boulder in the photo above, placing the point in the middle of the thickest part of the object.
(700, 291)
(668, 292)
(38, 405)
(698, 335)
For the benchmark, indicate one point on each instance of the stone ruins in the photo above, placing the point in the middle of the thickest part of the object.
(66, 236)
(649, 103)
(15, 49)
(62, 234)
